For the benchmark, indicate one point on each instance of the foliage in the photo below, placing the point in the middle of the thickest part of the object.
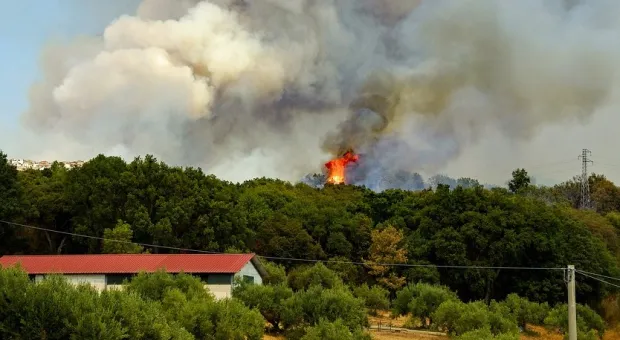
(587, 320)
(316, 275)
(524, 311)
(376, 298)
(333, 331)
(308, 307)
(386, 249)
(10, 201)
(458, 318)
(275, 273)
(457, 222)
(54, 309)
(485, 334)
(153, 286)
(122, 233)
(268, 299)
(520, 180)
(351, 273)
(421, 300)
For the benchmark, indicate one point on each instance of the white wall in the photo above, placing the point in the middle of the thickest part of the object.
(220, 291)
(97, 281)
(250, 270)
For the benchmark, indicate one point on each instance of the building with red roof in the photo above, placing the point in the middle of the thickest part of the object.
(106, 271)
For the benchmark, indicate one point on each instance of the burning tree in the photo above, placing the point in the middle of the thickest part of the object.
(336, 168)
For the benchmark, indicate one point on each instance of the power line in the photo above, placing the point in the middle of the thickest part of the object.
(601, 275)
(597, 279)
(106, 239)
(585, 186)
(406, 265)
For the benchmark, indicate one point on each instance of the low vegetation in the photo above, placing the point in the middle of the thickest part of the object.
(165, 306)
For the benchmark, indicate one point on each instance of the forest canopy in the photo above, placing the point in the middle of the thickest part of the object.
(149, 202)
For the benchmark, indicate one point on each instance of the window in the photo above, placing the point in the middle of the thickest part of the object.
(219, 279)
(248, 279)
(117, 279)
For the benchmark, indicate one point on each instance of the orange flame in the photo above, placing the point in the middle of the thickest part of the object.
(336, 167)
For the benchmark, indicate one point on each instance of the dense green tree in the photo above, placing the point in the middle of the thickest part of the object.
(118, 240)
(10, 201)
(316, 275)
(520, 180)
(268, 299)
(421, 300)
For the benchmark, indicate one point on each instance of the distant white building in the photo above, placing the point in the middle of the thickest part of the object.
(25, 164)
(108, 271)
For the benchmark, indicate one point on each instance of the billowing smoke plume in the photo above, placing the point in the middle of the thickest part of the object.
(277, 87)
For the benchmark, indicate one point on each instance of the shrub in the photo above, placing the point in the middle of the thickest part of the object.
(525, 311)
(307, 308)
(587, 320)
(421, 300)
(268, 299)
(485, 334)
(276, 274)
(375, 297)
(458, 318)
(336, 330)
(316, 275)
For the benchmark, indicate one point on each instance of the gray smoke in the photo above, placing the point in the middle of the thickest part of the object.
(277, 87)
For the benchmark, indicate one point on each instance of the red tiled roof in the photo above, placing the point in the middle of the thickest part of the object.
(128, 263)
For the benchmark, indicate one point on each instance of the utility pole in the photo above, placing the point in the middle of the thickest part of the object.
(572, 304)
(585, 185)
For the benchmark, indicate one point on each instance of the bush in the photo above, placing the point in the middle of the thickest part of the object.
(153, 286)
(308, 308)
(317, 275)
(458, 318)
(421, 300)
(485, 334)
(525, 311)
(276, 274)
(55, 309)
(587, 320)
(334, 331)
(268, 299)
(142, 319)
(375, 297)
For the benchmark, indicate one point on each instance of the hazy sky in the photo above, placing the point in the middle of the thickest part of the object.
(26, 26)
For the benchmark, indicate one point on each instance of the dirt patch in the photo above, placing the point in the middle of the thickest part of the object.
(272, 337)
(383, 335)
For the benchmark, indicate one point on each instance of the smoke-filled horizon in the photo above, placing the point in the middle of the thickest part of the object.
(276, 88)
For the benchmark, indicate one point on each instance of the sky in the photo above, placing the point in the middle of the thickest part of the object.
(26, 26)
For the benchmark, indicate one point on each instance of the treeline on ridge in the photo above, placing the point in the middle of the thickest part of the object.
(149, 202)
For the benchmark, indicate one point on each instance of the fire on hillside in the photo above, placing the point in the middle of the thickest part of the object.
(336, 168)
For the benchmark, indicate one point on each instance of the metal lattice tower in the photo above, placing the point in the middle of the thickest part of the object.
(585, 185)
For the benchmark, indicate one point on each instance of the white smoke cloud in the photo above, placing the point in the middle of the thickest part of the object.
(252, 88)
